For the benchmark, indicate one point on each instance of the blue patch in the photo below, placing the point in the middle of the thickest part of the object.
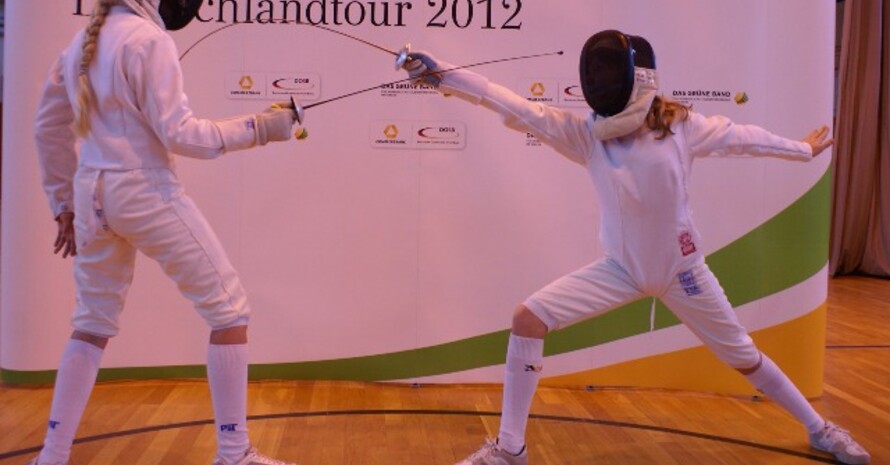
(687, 280)
(53, 424)
(228, 428)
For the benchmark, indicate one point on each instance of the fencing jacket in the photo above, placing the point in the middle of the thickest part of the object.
(642, 182)
(140, 115)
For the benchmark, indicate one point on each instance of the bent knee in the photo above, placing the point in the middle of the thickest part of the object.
(744, 360)
(527, 324)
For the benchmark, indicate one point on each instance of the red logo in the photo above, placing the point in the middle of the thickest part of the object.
(687, 246)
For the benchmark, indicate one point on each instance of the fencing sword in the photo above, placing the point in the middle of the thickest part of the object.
(300, 109)
(401, 55)
(401, 58)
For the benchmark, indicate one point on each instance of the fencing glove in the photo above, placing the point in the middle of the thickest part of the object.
(275, 124)
(423, 69)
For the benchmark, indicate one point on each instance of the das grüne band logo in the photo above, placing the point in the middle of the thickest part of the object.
(459, 14)
(702, 95)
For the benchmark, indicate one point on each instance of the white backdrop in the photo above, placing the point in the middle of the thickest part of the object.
(357, 242)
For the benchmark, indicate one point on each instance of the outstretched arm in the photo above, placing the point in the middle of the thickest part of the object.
(718, 135)
(157, 81)
(565, 131)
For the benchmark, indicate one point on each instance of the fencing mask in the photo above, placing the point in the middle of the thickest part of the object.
(618, 80)
(178, 13)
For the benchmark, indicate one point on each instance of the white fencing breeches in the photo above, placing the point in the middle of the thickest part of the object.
(120, 212)
(693, 295)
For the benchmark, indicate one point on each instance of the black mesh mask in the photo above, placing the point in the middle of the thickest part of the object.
(178, 13)
(607, 69)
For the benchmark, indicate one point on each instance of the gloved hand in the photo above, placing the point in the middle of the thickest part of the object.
(423, 69)
(275, 124)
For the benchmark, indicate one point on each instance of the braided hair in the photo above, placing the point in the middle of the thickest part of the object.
(85, 95)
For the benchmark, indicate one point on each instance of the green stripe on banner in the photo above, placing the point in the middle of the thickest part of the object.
(784, 251)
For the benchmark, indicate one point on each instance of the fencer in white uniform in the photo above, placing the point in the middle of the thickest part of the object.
(640, 162)
(118, 91)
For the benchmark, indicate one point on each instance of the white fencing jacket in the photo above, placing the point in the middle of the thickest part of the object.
(141, 113)
(642, 183)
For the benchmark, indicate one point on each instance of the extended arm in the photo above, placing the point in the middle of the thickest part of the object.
(717, 135)
(566, 132)
(157, 79)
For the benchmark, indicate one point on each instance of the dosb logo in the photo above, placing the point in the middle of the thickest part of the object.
(229, 428)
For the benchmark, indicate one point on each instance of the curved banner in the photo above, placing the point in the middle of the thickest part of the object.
(395, 241)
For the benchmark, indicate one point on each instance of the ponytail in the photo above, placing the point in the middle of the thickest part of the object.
(663, 113)
(85, 95)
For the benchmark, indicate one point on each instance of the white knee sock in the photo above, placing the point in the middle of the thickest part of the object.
(74, 383)
(770, 380)
(524, 362)
(227, 374)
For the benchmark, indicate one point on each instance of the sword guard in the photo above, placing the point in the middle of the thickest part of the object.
(402, 57)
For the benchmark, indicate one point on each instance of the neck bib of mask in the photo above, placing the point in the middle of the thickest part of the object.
(634, 114)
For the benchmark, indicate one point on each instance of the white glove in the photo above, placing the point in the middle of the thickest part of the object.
(275, 124)
(423, 69)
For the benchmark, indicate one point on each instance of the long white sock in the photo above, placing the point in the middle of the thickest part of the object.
(524, 363)
(770, 380)
(227, 374)
(74, 383)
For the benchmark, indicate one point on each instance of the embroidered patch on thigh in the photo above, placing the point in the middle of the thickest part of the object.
(687, 280)
(687, 245)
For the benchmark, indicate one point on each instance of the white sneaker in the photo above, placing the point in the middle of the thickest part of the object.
(491, 454)
(838, 442)
(253, 457)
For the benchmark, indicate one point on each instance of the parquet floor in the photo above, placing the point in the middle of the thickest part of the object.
(340, 423)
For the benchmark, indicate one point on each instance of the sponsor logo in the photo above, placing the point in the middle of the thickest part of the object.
(292, 83)
(704, 95)
(571, 95)
(687, 245)
(741, 98)
(540, 90)
(573, 91)
(240, 85)
(534, 368)
(418, 135)
(304, 86)
(228, 428)
(53, 424)
(687, 280)
(438, 132)
(390, 136)
(407, 88)
(391, 131)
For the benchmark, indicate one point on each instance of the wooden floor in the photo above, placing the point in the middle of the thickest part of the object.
(334, 423)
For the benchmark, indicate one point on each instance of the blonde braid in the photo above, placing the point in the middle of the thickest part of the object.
(85, 95)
